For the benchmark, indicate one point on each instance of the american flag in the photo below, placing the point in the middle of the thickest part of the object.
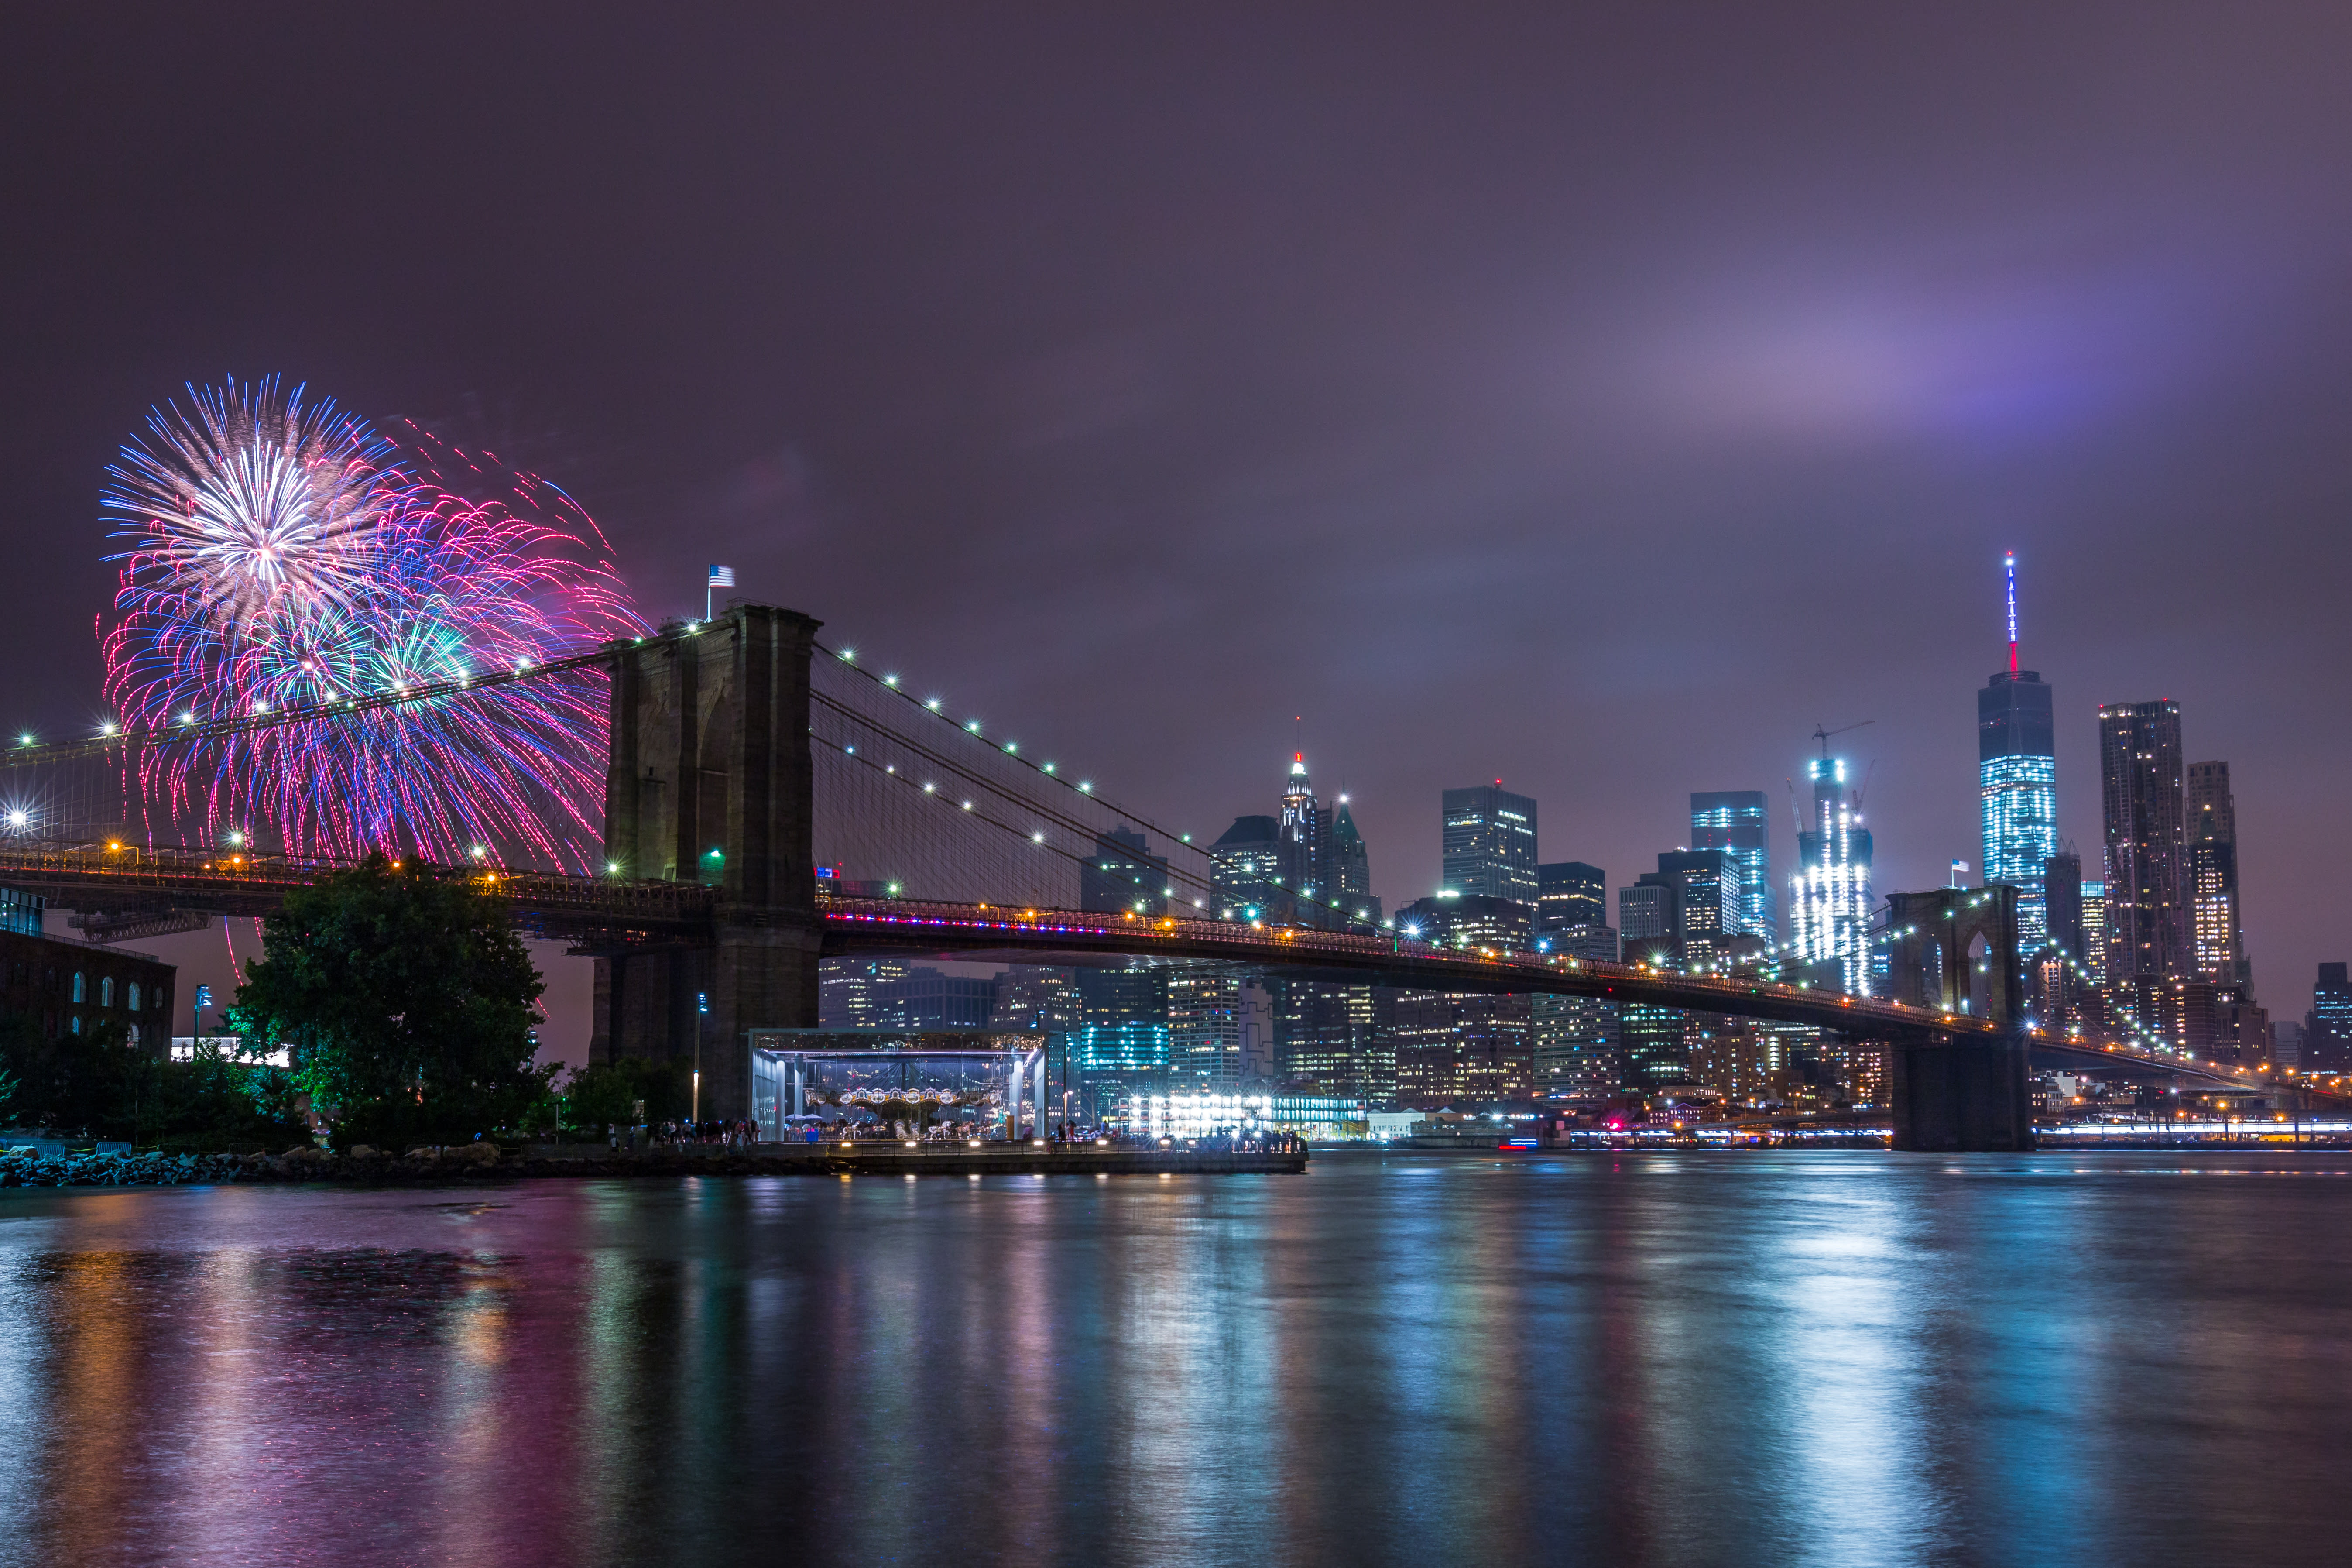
(722, 576)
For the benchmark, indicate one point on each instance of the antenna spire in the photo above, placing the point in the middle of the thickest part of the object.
(2010, 563)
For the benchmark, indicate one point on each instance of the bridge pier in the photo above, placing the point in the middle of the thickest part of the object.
(709, 782)
(1960, 1096)
(1955, 952)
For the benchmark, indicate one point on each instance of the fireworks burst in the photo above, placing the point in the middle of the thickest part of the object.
(253, 506)
(417, 564)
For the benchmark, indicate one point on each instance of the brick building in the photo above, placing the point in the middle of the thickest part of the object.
(71, 987)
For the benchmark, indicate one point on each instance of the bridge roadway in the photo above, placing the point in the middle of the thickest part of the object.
(597, 914)
(100, 876)
(989, 934)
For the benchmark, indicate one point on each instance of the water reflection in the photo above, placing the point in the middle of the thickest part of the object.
(1656, 1359)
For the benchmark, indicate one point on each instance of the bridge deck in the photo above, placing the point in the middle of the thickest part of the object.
(596, 911)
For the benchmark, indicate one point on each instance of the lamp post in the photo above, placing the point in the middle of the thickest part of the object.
(196, 1018)
(701, 1016)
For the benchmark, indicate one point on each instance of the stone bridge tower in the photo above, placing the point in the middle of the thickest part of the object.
(1955, 951)
(708, 782)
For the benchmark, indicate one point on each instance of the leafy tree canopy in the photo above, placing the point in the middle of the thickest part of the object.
(98, 1085)
(405, 1000)
(607, 1093)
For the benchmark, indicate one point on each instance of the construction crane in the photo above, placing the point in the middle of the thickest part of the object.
(1823, 735)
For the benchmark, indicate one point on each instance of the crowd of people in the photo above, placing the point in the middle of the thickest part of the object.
(738, 1134)
(678, 1134)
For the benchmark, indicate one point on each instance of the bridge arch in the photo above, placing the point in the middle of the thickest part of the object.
(1953, 955)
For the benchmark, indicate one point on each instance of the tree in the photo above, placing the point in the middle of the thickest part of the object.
(609, 1092)
(99, 1084)
(74, 1082)
(406, 1001)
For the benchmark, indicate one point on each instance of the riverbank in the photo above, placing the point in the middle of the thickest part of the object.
(474, 1163)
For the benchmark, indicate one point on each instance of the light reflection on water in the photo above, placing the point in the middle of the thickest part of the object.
(1817, 1358)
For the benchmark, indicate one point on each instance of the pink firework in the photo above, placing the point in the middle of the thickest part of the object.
(429, 586)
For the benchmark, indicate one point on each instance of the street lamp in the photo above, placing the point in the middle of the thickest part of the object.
(701, 1017)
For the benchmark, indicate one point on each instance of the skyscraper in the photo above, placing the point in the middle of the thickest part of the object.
(2148, 925)
(1649, 913)
(1123, 874)
(1351, 868)
(2093, 954)
(1569, 893)
(1830, 899)
(2017, 781)
(2328, 1027)
(860, 993)
(1469, 919)
(1490, 843)
(1034, 997)
(1303, 847)
(1243, 866)
(1305, 865)
(1710, 901)
(1204, 1025)
(1575, 1037)
(2062, 894)
(1735, 820)
(2217, 924)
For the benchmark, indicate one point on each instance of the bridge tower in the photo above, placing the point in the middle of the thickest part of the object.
(708, 782)
(1955, 951)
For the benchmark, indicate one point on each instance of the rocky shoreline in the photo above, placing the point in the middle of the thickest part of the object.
(468, 1161)
(477, 1163)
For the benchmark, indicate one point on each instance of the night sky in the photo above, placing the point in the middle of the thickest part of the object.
(1597, 398)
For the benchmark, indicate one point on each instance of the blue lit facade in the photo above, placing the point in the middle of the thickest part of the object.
(1739, 821)
(1122, 1050)
(20, 911)
(2017, 783)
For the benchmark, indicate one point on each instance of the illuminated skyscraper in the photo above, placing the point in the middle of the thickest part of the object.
(1710, 901)
(1830, 899)
(1124, 875)
(1569, 893)
(2062, 891)
(1204, 1025)
(1244, 866)
(1576, 1036)
(2148, 925)
(1306, 866)
(1490, 843)
(1351, 871)
(2217, 925)
(2094, 956)
(2017, 779)
(1304, 846)
(1735, 820)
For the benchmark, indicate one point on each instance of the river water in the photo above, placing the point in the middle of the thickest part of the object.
(1761, 1357)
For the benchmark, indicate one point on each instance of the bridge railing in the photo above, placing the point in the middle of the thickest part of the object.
(163, 871)
(1276, 942)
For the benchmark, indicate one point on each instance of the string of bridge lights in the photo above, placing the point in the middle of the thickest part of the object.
(936, 708)
(188, 726)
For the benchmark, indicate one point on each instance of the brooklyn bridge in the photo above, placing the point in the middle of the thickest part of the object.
(748, 761)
